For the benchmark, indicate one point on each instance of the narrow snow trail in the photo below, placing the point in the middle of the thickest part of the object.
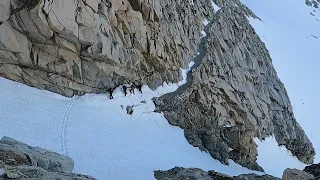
(31, 115)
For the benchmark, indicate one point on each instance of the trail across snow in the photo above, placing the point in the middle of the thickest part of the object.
(107, 143)
(97, 133)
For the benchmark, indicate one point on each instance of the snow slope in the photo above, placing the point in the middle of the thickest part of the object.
(291, 34)
(104, 141)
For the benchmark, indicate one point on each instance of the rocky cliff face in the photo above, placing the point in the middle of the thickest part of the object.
(233, 94)
(20, 161)
(78, 46)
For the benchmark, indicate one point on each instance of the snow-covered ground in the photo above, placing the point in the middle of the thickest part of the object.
(107, 143)
(291, 34)
(99, 135)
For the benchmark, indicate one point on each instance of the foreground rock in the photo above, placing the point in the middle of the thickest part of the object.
(78, 46)
(233, 95)
(295, 174)
(20, 161)
(313, 169)
(194, 173)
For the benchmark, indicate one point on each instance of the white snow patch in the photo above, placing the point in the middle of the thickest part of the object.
(269, 152)
(205, 22)
(216, 8)
(227, 126)
(2, 171)
(204, 34)
(96, 132)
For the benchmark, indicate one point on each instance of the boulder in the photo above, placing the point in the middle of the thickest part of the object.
(313, 169)
(21, 161)
(129, 110)
(295, 174)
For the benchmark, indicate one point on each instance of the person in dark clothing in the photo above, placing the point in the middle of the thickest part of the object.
(124, 88)
(139, 87)
(132, 89)
(110, 93)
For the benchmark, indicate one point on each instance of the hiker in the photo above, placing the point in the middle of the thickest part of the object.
(110, 93)
(139, 87)
(124, 88)
(132, 89)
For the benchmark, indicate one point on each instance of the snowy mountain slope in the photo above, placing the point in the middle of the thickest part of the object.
(97, 133)
(291, 32)
(107, 143)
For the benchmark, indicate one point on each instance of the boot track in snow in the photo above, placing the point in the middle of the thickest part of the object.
(64, 127)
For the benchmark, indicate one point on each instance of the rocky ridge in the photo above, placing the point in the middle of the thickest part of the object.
(176, 173)
(195, 173)
(79, 46)
(233, 95)
(20, 161)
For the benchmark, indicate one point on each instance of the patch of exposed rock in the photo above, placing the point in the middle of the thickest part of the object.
(313, 169)
(195, 173)
(313, 3)
(295, 174)
(233, 94)
(78, 46)
(20, 161)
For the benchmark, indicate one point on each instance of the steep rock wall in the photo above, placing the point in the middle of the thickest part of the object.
(233, 95)
(78, 46)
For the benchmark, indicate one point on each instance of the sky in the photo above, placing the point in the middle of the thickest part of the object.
(286, 29)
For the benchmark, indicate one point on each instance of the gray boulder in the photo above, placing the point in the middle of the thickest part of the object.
(14, 152)
(295, 174)
(21, 161)
(129, 110)
(313, 169)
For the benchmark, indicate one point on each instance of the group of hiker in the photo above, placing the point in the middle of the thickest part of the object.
(124, 89)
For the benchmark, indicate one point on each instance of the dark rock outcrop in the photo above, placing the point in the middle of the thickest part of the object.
(313, 169)
(233, 94)
(178, 173)
(20, 161)
(313, 3)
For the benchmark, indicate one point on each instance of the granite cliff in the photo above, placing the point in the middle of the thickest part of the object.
(80, 46)
(232, 94)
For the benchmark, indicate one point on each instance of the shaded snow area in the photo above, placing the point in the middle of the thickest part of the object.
(291, 32)
(104, 141)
